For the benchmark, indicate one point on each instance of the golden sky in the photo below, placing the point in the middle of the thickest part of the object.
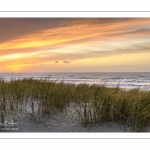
(74, 44)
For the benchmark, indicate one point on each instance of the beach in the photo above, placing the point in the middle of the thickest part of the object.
(41, 105)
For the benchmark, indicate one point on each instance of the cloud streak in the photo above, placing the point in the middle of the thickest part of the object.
(124, 66)
(66, 62)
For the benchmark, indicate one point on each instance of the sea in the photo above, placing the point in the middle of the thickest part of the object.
(125, 80)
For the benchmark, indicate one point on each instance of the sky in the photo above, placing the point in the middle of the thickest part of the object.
(74, 44)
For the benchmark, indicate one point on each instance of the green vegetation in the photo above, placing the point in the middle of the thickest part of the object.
(93, 104)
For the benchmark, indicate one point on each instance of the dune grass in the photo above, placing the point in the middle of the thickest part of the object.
(93, 103)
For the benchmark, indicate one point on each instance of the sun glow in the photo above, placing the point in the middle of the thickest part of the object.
(15, 67)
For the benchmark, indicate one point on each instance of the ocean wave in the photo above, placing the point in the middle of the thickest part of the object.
(124, 80)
